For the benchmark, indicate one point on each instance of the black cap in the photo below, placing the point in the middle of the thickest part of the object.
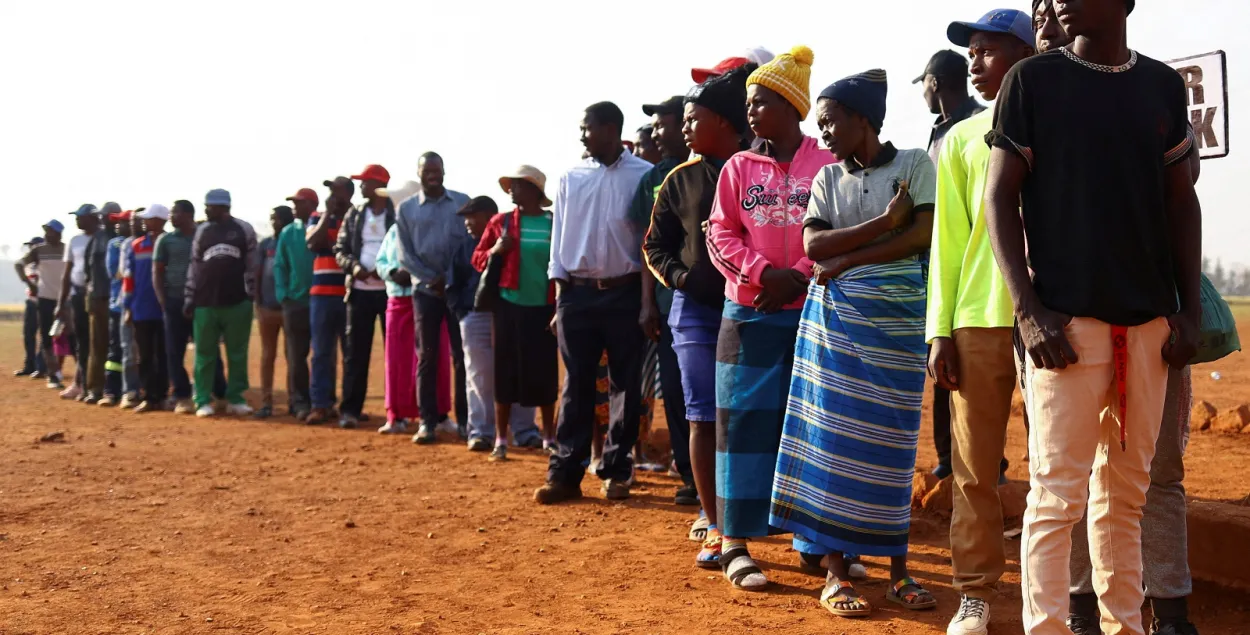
(724, 95)
(341, 180)
(479, 204)
(671, 106)
(944, 63)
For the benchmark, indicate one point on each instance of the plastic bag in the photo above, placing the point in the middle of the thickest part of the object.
(1217, 334)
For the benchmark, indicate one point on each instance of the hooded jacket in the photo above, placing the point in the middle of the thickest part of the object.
(757, 217)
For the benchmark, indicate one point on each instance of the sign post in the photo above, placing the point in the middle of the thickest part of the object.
(1206, 91)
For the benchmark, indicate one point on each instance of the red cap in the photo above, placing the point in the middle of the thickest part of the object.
(305, 194)
(700, 75)
(119, 216)
(373, 173)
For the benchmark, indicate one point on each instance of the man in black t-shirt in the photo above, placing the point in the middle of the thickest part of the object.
(1094, 140)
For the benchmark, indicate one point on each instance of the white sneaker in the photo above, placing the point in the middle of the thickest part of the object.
(973, 618)
(205, 412)
(239, 410)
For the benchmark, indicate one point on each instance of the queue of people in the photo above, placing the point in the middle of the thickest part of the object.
(787, 296)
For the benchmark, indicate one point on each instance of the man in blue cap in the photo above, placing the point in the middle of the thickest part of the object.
(48, 261)
(72, 303)
(969, 322)
(221, 285)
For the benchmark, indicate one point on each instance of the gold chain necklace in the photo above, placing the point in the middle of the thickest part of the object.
(1102, 68)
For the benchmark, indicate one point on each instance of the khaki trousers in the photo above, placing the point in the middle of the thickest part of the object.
(980, 410)
(270, 323)
(1076, 459)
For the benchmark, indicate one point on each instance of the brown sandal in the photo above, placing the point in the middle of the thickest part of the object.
(849, 604)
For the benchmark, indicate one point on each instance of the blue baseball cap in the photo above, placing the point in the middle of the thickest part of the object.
(84, 209)
(55, 225)
(37, 240)
(1009, 21)
(217, 197)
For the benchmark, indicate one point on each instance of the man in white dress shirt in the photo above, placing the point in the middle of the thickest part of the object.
(596, 262)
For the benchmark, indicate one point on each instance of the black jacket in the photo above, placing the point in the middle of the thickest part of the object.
(676, 243)
(351, 230)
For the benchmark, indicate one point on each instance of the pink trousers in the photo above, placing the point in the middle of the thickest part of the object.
(401, 363)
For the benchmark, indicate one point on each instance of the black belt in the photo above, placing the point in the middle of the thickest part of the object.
(603, 284)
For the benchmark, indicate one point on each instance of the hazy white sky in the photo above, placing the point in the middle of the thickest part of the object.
(142, 101)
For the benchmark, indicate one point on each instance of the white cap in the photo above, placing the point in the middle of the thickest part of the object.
(155, 210)
(759, 55)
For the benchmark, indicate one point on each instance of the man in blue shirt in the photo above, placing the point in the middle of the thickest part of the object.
(431, 235)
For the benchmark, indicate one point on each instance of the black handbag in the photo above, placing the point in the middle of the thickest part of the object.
(487, 295)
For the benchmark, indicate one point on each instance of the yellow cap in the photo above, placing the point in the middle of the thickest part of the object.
(789, 75)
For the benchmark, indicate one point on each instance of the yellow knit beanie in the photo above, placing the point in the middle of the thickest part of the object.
(789, 74)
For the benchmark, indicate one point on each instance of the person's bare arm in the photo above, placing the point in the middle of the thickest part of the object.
(1041, 329)
(1185, 225)
(912, 241)
(65, 286)
(319, 237)
(822, 244)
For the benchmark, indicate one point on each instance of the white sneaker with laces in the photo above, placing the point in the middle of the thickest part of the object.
(973, 618)
(205, 412)
(239, 410)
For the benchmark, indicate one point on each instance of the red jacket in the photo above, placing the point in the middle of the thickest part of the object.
(510, 277)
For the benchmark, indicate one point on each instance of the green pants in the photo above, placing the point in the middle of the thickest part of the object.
(212, 324)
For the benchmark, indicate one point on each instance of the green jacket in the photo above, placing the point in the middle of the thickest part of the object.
(292, 265)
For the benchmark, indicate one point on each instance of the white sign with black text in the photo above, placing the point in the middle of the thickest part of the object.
(1206, 90)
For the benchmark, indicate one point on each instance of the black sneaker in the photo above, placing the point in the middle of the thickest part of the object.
(263, 413)
(23, 372)
(553, 493)
(1082, 625)
(686, 495)
(1173, 627)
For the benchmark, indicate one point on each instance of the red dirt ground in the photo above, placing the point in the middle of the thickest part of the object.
(167, 524)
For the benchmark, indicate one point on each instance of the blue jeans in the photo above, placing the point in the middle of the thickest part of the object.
(479, 366)
(177, 334)
(327, 317)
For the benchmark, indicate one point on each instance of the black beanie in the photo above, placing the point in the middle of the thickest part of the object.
(726, 96)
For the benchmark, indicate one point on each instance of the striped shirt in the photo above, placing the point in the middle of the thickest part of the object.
(328, 277)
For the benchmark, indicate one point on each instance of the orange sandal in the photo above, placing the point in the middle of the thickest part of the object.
(709, 557)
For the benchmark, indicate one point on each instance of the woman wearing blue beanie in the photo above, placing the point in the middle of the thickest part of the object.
(848, 447)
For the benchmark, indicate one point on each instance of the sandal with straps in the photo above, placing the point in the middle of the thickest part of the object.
(918, 599)
(698, 530)
(709, 556)
(841, 599)
(741, 570)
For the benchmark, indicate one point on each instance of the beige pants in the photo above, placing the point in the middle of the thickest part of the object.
(1076, 458)
(979, 413)
(270, 323)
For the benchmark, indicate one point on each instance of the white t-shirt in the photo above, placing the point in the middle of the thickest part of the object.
(371, 235)
(76, 255)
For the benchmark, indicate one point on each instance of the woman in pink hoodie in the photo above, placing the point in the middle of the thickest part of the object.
(755, 238)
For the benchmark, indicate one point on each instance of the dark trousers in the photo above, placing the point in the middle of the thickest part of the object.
(178, 331)
(430, 314)
(589, 322)
(328, 319)
(364, 309)
(674, 403)
(113, 368)
(47, 315)
(153, 362)
(297, 330)
(82, 334)
(30, 338)
(942, 425)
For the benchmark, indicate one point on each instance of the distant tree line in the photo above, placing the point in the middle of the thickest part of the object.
(1227, 281)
